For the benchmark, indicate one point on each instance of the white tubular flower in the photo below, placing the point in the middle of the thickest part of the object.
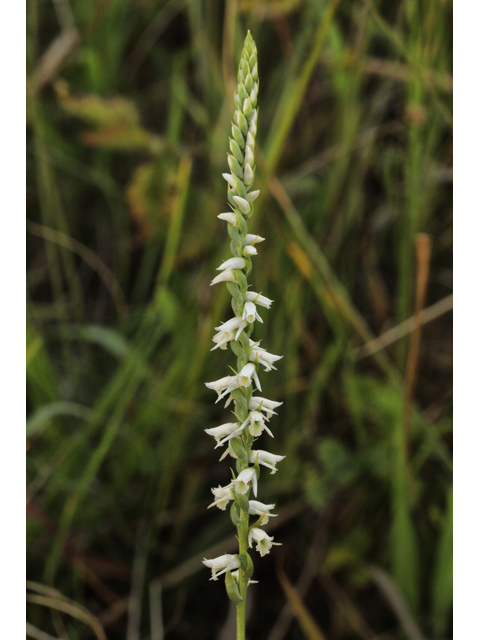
(246, 374)
(249, 250)
(242, 481)
(243, 205)
(223, 430)
(221, 565)
(227, 331)
(253, 195)
(250, 313)
(256, 508)
(223, 495)
(220, 385)
(263, 540)
(225, 276)
(228, 217)
(258, 299)
(248, 175)
(242, 379)
(230, 179)
(232, 263)
(230, 325)
(221, 340)
(249, 159)
(231, 435)
(267, 459)
(251, 238)
(257, 354)
(256, 423)
(265, 405)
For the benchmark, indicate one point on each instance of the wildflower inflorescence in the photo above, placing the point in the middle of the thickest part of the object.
(251, 412)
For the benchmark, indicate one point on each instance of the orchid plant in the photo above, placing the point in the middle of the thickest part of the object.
(251, 412)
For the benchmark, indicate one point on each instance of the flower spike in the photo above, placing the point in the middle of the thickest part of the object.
(251, 413)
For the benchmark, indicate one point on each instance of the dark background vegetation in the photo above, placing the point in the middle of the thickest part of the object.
(129, 104)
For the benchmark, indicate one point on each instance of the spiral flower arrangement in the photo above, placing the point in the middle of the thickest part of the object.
(251, 413)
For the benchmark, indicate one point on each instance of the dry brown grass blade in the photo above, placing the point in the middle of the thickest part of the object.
(309, 626)
(404, 328)
(37, 634)
(423, 247)
(72, 609)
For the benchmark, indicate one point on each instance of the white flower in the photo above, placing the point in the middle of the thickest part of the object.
(251, 238)
(220, 385)
(223, 430)
(228, 217)
(258, 299)
(248, 175)
(267, 459)
(243, 480)
(223, 495)
(246, 376)
(230, 325)
(250, 313)
(263, 404)
(242, 379)
(225, 276)
(256, 508)
(221, 565)
(257, 354)
(221, 339)
(226, 332)
(256, 423)
(263, 540)
(243, 205)
(249, 159)
(230, 179)
(249, 250)
(231, 435)
(253, 195)
(232, 263)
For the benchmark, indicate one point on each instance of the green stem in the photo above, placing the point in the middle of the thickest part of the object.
(243, 581)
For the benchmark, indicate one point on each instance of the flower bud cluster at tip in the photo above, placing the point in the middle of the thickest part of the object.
(252, 413)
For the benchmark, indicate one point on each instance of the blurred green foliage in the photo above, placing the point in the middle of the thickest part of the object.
(128, 115)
